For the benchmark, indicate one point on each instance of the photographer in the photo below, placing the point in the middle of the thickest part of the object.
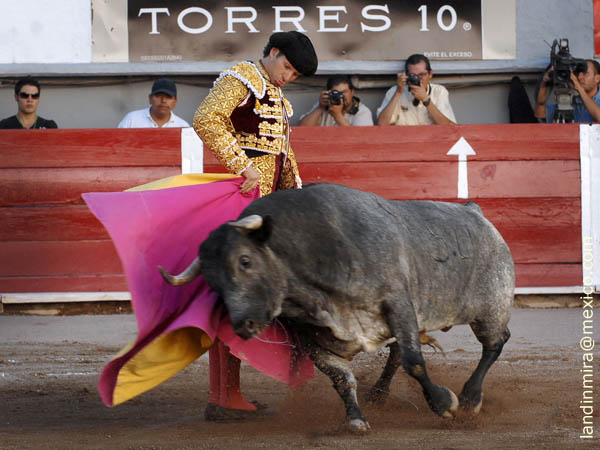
(421, 103)
(338, 106)
(584, 79)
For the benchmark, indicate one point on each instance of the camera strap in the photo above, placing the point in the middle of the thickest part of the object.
(354, 107)
(416, 102)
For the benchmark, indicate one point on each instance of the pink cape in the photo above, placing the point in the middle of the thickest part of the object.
(165, 227)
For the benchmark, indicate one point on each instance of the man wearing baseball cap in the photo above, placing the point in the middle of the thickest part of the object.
(162, 99)
(244, 121)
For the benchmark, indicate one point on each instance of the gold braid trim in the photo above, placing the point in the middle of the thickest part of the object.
(265, 166)
(248, 74)
(290, 175)
(288, 107)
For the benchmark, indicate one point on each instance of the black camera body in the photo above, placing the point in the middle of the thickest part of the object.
(336, 97)
(564, 63)
(413, 79)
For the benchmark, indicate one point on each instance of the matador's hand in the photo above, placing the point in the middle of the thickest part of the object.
(251, 180)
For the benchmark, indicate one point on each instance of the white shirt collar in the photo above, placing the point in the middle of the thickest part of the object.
(151, 119)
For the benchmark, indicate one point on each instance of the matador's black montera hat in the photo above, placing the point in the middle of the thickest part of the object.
(297, 48)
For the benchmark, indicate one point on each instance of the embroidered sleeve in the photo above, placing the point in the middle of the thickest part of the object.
(213, 125)
(290, 175)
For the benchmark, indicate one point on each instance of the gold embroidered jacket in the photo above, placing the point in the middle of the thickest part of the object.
(244, 120)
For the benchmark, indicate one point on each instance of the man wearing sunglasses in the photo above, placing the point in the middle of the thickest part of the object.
(27, 96)
(415, 100)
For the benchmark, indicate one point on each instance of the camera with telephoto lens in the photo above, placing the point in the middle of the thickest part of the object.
(413, 79)
(564, 63)
(336, 97)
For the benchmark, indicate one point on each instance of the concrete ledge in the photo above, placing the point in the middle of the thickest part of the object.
(69, 297)
(549, 290)
(69, 303)
(64, 297)
(549, 301)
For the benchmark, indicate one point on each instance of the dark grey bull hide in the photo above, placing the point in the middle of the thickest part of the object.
(350, 271)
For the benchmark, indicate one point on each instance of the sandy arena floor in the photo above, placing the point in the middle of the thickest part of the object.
(49, 367)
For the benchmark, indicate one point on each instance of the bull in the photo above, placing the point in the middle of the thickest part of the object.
(350, 271)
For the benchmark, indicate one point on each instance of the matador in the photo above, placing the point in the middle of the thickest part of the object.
(245, 122)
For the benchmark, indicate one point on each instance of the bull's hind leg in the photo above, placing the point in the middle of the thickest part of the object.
(344, 382)
(492, 340)
(381, 389)
(441, 400)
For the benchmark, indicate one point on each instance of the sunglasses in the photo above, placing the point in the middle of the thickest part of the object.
(25, 95)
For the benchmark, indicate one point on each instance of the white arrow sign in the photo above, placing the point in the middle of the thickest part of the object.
(462, 148)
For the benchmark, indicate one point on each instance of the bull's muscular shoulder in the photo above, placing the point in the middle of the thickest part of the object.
(249, 75)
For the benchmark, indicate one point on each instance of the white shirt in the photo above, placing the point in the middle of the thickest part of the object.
(408, 114)
(142, 119)
(363, 117)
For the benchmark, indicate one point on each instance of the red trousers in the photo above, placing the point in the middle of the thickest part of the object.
(225, 379)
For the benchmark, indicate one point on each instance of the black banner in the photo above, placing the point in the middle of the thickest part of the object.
(187, 30)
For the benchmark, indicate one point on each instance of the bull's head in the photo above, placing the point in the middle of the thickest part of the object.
(237, 263)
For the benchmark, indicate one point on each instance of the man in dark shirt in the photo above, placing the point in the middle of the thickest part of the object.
(27, 96)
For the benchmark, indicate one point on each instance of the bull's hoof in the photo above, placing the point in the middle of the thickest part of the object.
(450, 413)
(443, 402)
(216, 413)
(358, 426)
(470, 406)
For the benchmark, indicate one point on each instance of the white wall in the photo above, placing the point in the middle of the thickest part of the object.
(45, 31)
(58, 34)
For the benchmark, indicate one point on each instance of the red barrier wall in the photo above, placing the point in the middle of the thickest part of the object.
(525, 178)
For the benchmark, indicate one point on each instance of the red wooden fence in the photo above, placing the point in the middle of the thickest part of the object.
(526, 178)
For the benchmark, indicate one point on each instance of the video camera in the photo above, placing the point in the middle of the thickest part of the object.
(563, 64)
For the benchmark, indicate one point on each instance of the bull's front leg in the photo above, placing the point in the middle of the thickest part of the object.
(339, 372)
(380, 391)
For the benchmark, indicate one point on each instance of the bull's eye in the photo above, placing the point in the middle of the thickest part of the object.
(245, 262)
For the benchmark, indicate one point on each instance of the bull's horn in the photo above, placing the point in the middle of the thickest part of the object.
(188, 275)
(253, 222)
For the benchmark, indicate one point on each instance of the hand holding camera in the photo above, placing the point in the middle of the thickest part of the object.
(336, 103)
(336, 97)
(324, 100)
(413, 79)
(401, 82)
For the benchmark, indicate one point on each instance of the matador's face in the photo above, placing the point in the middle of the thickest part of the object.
(280, 70)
